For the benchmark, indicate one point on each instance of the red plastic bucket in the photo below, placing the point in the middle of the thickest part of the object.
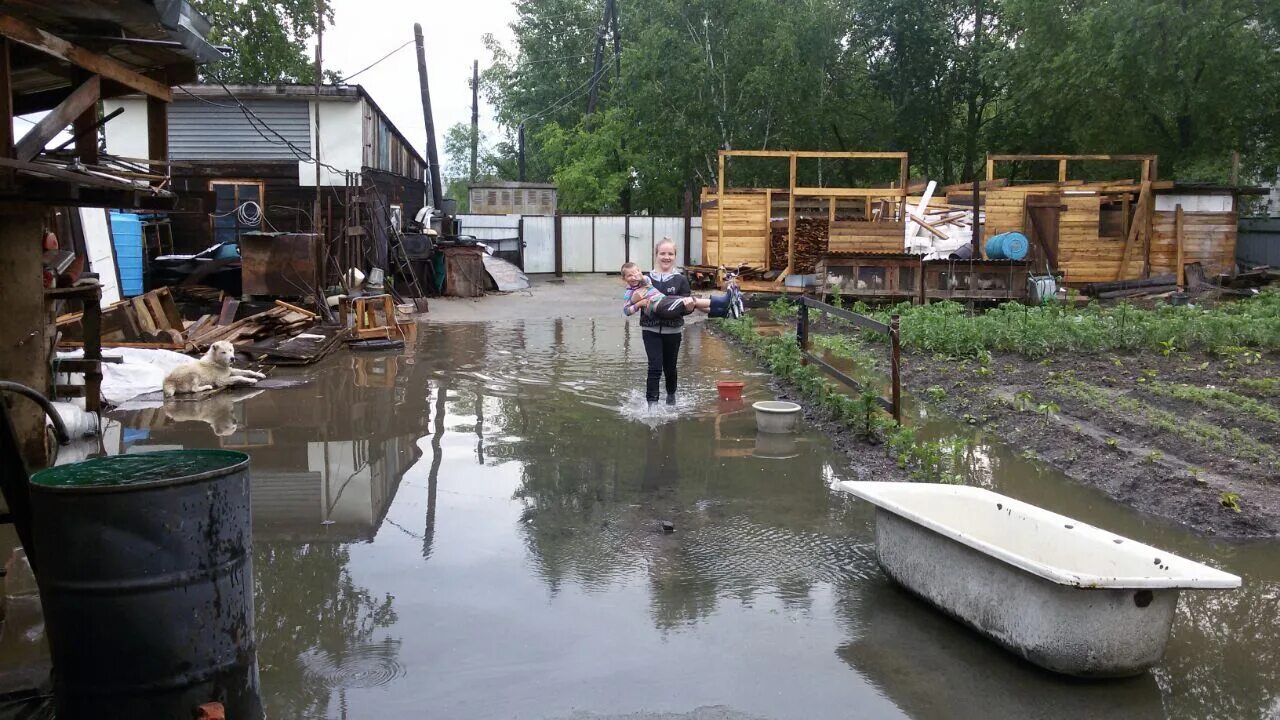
(730, 389)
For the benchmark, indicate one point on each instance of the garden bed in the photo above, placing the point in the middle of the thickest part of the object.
(1173, 411)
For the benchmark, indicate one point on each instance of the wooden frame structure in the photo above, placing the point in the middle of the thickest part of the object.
(1102, 231)
(793, 191)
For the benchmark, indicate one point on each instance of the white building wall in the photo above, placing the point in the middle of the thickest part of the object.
(341, 143)
(127, 134)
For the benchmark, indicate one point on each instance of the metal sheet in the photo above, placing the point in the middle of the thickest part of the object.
(200, 131)
(506, 277)
(609, 243)
(539, 244)
(281, 264)
(577, 239)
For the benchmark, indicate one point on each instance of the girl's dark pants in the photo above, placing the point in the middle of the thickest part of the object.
(662, 349)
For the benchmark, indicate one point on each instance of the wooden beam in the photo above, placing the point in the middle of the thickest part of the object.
(814, 154)
(991, 168)
(157, 129)
(76, 104)
(95, 63)
(84, 126)
(1139, 222)
(848, 192)
(1179, 272)
(6, 102)
(791, 222)
(722, 192)
(903, 170)
(1062, 170)
(1006, 158)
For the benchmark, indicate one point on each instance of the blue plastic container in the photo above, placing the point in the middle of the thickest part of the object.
(126, 236)
(1007, 246)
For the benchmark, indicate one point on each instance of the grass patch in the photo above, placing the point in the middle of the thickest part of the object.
(1215, 398)
(1040, 331)
(1266, 387)
(1132, 410)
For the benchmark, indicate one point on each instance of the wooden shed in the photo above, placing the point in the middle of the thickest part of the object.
(739, 224)
(1113, 230)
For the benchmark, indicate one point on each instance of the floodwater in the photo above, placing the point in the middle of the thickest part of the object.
(473, 529)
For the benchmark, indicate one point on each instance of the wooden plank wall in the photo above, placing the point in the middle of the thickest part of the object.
(866, 237)
(746, 229)
(1005, 211)
(1083, 254)
(1207, 238)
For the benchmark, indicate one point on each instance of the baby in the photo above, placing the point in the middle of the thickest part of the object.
(641, 295)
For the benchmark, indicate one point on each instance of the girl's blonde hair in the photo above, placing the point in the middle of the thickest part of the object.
(664, 241)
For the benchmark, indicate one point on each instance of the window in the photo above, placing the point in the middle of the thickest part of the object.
(229, 197)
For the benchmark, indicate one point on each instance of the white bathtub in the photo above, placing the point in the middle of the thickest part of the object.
(1067, 596)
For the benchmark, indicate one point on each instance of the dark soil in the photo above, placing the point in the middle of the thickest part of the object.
(1128, 454)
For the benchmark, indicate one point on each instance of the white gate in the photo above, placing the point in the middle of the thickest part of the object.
(589, 243)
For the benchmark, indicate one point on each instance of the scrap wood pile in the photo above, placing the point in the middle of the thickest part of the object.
(154, 321)
(1195, 284)
(810, 245)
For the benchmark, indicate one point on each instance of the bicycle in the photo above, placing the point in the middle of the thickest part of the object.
(736, 306)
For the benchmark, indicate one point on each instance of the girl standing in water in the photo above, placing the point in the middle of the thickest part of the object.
(662, 336)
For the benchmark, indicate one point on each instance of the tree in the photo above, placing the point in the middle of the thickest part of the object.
(457, 166)
(268, 39)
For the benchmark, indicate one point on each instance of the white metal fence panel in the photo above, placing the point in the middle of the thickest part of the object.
(611, 250)
(577, 237)
(500, 232)
(640, 247)
(539, 244)
(670, 227)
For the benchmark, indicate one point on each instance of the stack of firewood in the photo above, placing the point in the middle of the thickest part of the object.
(810, 245)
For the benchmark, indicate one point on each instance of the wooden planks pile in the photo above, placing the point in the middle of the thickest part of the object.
(745, 225)
(282, 320)
(149, 320)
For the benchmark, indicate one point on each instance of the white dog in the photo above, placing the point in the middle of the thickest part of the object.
(209, 372)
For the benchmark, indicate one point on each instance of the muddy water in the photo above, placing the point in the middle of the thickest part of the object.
(473, 530)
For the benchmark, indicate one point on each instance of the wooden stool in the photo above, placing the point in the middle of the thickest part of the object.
(368, 324)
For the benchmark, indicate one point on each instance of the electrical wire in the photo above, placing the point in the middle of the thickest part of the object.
(375, 62)
(573, 94)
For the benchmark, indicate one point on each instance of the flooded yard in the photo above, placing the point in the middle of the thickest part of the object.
(473, 529)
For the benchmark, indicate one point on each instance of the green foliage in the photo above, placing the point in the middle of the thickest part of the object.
(588, 173)
(1153, 457)
(1112, 443)
(457, 165)
(782, 356)
(1161, 76)
(782, 309)
(940, 461)
(1217, 399)
(1266, 387)
(268, 39)
(935, 392)
(1133, 410)
(1230, 501)
(945, 328)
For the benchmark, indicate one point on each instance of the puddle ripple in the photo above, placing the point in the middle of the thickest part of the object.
(361, 666)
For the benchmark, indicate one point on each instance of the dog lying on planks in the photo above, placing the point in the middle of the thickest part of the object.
(211, 372)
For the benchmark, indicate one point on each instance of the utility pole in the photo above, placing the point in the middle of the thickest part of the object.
(316, 225)
(475, 114)
(520, 174)
(597, 66)
(433, 159)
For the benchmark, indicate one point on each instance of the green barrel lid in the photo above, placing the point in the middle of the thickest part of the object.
(161, 466)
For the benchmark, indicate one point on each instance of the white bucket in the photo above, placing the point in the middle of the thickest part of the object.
(776, 416)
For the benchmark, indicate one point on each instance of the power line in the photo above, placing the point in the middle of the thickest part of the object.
(375, 62)
(573, 94)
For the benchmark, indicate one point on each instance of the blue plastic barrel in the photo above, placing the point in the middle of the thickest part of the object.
(126, 236)
(1007, 246)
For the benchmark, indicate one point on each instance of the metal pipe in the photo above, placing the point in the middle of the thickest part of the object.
(59, 429)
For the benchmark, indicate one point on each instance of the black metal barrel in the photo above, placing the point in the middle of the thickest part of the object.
(145, 568)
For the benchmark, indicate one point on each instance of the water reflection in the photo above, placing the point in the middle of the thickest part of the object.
(526, 551)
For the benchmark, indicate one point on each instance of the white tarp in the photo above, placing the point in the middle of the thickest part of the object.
(143, 371)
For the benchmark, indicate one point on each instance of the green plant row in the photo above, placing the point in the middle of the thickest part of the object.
(1267, 387)
(1215, 398)
(1038, 331)
(1197, 431)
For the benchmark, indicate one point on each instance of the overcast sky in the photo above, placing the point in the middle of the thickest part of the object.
(365, 30)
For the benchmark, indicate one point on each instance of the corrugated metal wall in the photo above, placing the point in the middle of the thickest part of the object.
(1259, 241)
(200, 131)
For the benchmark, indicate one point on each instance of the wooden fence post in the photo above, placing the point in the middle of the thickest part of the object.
(897, 379)
(802, 328)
